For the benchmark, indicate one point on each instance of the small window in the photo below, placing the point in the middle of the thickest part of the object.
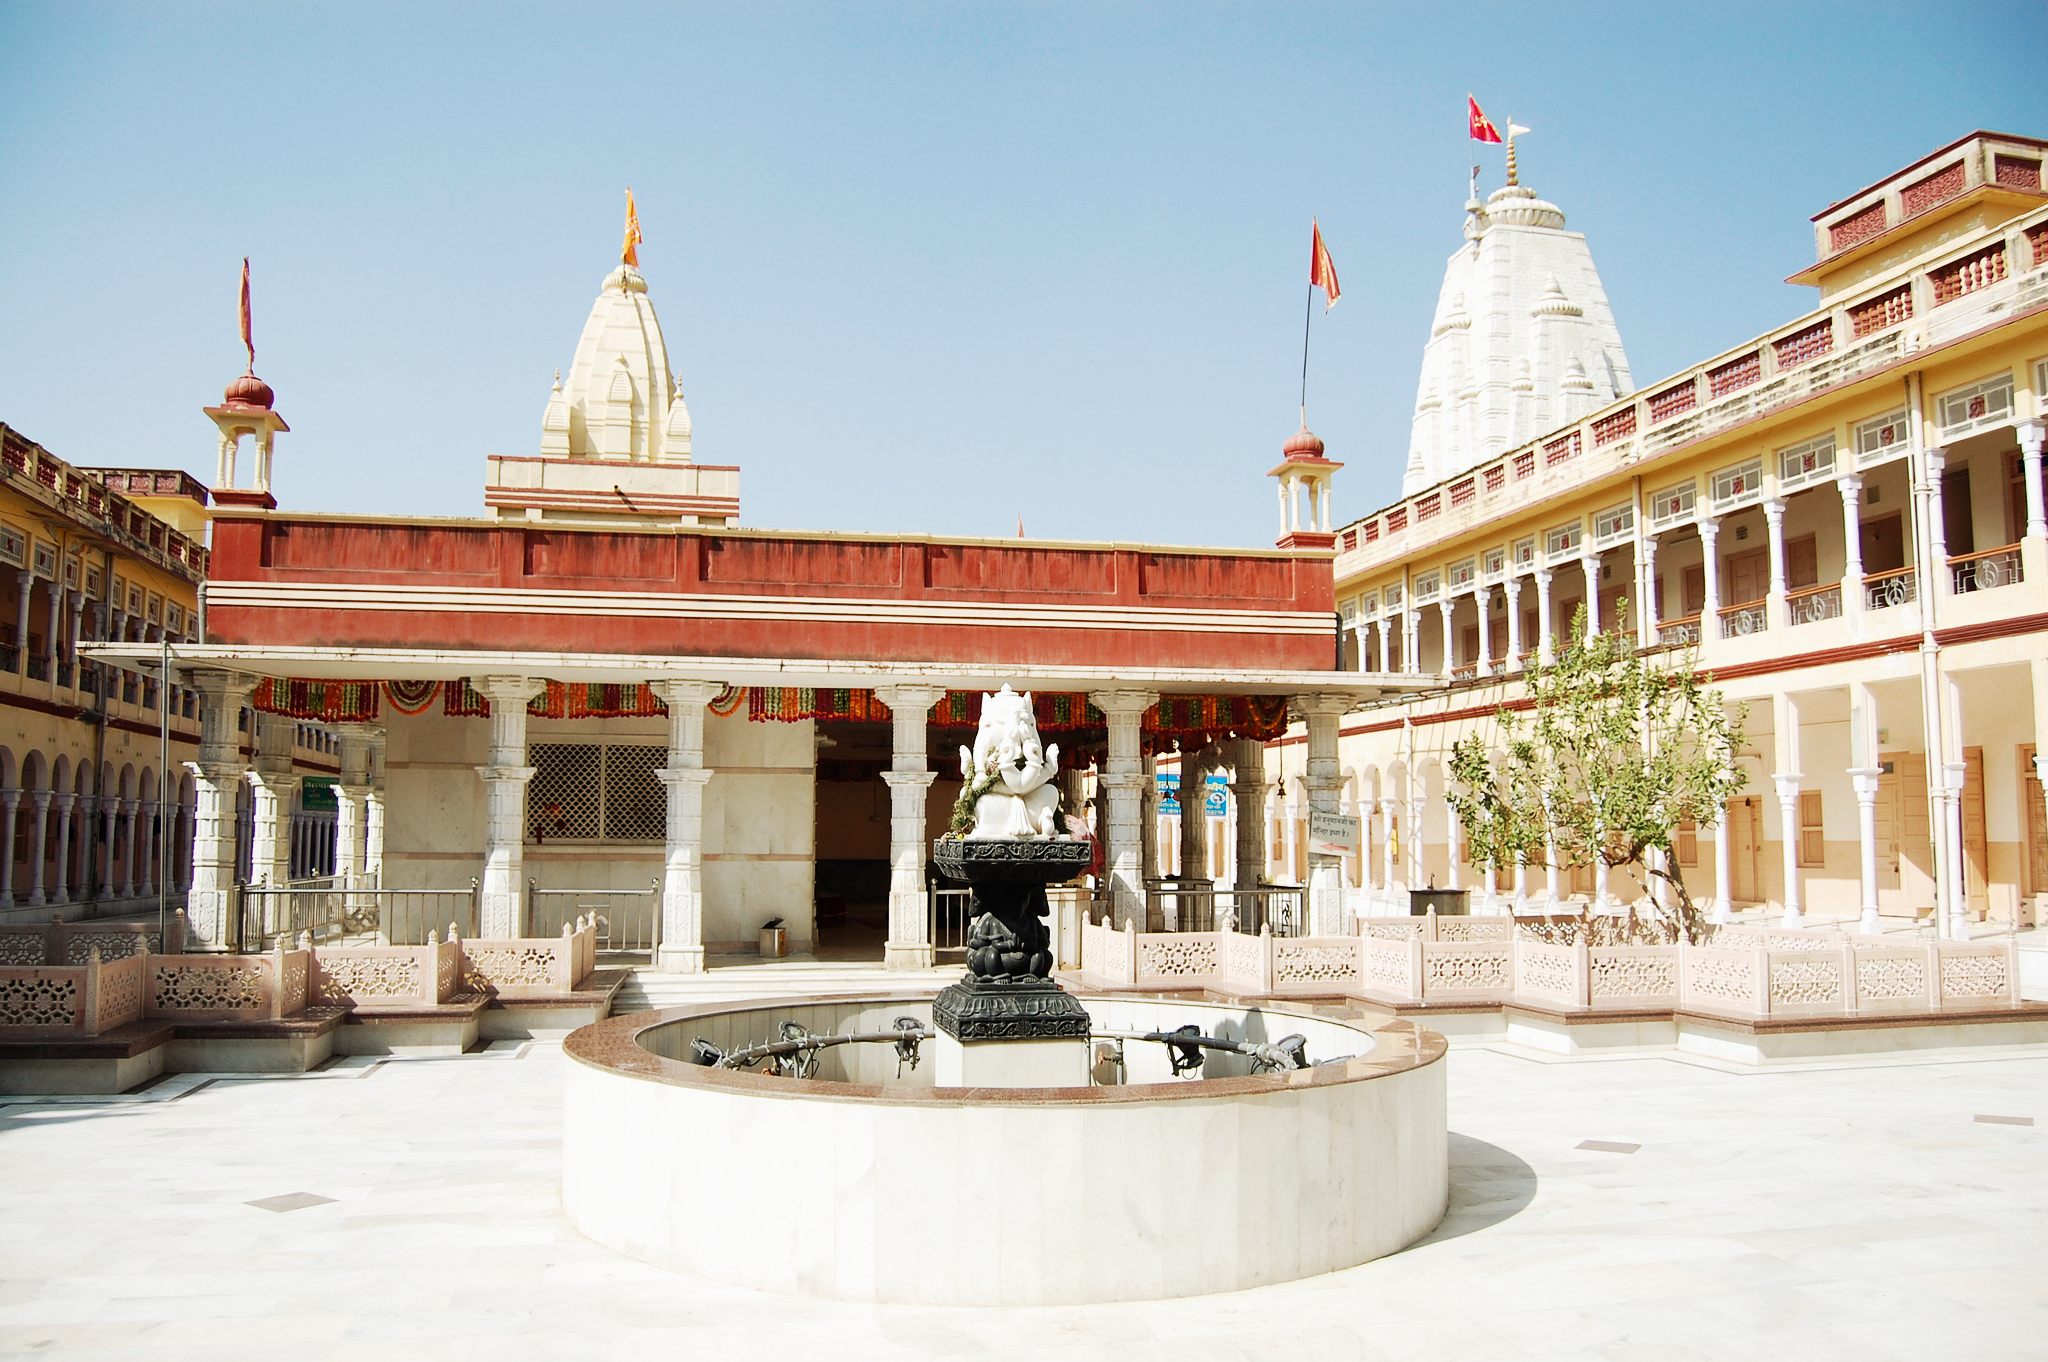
(71, 571)
(1525, 551)
(156, 609)
(45, 561)
(13, 546)
(1738, 486)
(1881, 438)
(1811, 461)
(1813, 847)
(1427, 586)
(1496, 562)
(1394, 596)
(119, 597)
(93, 580)
(1461, 574)
(595, 792)
(1370, 603)
(174, 617)
(1977, 407)
(1685, 844)
(1673, 505)
(1615, 523)
(135, 596)
(1563, 542)
(1349, 610)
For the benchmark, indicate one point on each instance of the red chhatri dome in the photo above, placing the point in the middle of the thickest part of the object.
(1303, 444)
(249, 391)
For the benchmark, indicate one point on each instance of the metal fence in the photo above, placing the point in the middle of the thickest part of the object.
(333, 913)
(628, 920)
(1203, 908)
(950, 920)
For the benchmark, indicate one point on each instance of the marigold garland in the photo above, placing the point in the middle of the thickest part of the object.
(331, 702)
(411, 697)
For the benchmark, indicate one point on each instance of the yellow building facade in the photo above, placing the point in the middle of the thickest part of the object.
(1842, 518)
(91, 554)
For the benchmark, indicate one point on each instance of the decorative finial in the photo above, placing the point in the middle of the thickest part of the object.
(1511, 150)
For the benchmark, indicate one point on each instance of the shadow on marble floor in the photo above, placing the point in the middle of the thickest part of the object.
(1488, 1185)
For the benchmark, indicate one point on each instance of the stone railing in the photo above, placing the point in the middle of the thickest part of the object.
(389, 976)
(69, 943)
(71, 1002)
(1862, 975)
(534, 967)
(228, 987)
(1754, 972)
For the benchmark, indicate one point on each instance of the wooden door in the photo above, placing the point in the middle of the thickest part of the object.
(2034, 864)
(1902, 795)
(1531, 639)
(1747, 575)
(1884, 544)
(1695, 589)
(1802, 563)
(1468, 651)
(1745, 849)
(1958, 525)
(1976, 851)
(1561, 616)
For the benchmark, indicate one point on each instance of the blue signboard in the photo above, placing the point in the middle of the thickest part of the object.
(1215, 796)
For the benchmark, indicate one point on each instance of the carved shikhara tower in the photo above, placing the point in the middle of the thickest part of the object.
(1522, 342)
(615, 440)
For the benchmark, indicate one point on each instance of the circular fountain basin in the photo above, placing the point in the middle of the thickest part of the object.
(858, 1185)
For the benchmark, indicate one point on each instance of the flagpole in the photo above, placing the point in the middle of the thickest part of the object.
(1308, 310)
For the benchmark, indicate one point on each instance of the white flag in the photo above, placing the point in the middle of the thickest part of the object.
(1515, 129)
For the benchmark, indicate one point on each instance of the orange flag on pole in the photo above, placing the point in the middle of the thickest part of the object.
(1482, 126)
(248, 336)
(630, 252)
(1322, 271)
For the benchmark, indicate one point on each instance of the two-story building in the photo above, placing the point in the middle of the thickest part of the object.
(1842, 518)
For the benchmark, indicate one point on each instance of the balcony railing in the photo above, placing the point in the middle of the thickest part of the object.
(1813, 604)
(1682, 633)
(39, 668)
(1467, 672)
(1883, 590)
(10, 658)
(1987, 570)
(1751, 617)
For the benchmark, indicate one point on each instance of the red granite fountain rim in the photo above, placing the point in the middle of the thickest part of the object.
(612, 1046)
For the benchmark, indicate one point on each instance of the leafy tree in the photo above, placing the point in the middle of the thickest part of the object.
(1608, 755)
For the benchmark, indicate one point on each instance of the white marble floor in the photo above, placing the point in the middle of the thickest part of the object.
(1854, 1211)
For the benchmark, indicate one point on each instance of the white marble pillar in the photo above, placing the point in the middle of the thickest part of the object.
(130, 819)
(681, 949)
(1774, 524)
(1546, 633)
(1955, 775)
(1865, 778)
(1411, 642)
(1483, 598)
(1248, 788)
(2031, 435)
(58, 892)
(1589, 563)
(1710, 570)
(1390, 819)
(1322, 714)
(1124, 782)
(25, 582)
(1649, 610)
(10, 801)
(1444, 608)
(505, 775)
(1786, 780)
(1850, 489)
(41, 799)
(1513, 661)
(110, 813)
(271, 797)
(910, 780)
(373, 810)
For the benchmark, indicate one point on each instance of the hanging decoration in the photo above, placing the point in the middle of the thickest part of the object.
(463, 701)
(1197, 720)
(1056, 712)
(787, 704)
(596, 700)
(728, 701)
(411, 697)
(331, 702)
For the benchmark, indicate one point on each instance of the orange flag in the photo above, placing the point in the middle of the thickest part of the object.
(248, 336)
(1481, 126)
(630, 252)
(1322, 271)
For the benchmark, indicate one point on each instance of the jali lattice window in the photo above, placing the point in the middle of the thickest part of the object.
(596, 792)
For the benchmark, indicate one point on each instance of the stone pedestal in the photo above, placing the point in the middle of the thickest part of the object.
(1007, 1024)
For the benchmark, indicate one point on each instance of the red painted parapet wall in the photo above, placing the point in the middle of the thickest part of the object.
(333, 582)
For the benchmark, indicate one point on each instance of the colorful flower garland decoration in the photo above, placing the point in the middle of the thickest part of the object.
(333, 702)
(411, 697)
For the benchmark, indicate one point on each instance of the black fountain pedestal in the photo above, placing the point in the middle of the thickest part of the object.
(1008, 995)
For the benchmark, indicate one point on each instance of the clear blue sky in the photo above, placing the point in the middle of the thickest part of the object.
(920, 268)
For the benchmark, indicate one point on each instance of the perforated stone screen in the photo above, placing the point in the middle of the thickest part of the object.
(597, 792)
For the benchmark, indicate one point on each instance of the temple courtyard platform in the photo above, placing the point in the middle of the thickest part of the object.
(1629, 1207)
